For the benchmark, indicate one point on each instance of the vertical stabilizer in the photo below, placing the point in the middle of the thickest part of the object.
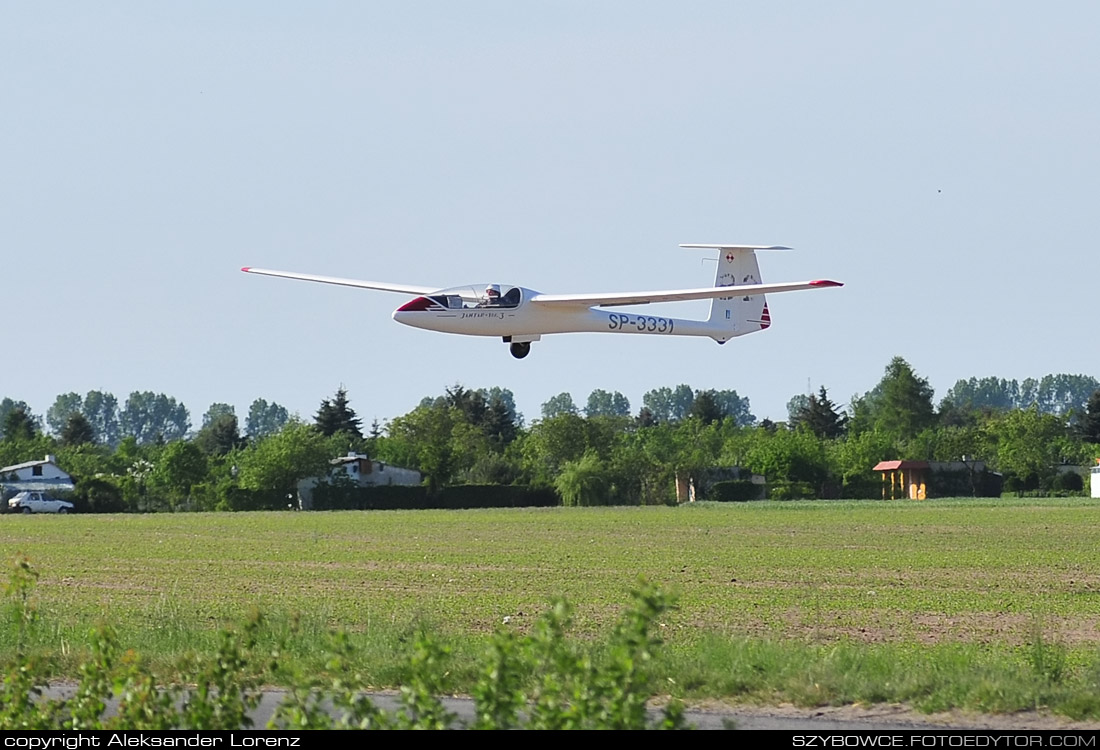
(735, 315)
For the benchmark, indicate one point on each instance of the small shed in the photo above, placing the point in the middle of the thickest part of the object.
(907, 479)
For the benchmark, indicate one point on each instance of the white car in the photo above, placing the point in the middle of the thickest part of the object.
(38, 502)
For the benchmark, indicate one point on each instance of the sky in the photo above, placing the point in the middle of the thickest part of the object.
(939, 158)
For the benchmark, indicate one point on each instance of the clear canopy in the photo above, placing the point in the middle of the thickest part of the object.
(478, 296)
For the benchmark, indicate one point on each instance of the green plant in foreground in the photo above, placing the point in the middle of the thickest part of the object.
(19, 589)
(557, 683)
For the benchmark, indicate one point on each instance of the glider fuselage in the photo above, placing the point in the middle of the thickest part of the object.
(462, 310)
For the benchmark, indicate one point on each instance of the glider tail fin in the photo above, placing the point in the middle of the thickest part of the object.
(735, 316)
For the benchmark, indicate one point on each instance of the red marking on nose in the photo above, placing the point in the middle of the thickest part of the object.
(420, 304)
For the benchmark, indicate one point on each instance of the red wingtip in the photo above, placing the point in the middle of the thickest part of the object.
(246, 269)
(825, 282)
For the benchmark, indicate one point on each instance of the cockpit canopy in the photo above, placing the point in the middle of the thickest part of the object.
(478, 296)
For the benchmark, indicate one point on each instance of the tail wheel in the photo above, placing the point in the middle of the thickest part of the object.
(520, 349)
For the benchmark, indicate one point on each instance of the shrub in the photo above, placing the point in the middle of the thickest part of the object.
(791, 491)
(397, 497)
(96, 495)
(1068, 481)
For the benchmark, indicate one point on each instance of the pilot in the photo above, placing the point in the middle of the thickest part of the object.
(492, 295)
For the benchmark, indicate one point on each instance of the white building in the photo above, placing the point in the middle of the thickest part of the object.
(361, 469)
(39, 476)
(1096, 479)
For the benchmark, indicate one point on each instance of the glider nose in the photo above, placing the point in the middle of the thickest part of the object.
(420, 304)
(409, 313)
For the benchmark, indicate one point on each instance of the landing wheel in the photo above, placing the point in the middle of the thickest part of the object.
(520, 349)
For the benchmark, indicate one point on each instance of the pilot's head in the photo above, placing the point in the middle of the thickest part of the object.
(492, 291)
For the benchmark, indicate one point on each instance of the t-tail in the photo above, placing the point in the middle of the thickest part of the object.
(736, 315)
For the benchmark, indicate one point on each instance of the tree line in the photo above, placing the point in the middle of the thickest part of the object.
(144, 456)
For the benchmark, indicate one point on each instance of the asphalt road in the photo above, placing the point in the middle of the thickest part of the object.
(784, 718)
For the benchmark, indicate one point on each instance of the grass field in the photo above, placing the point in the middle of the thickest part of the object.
(812, 602)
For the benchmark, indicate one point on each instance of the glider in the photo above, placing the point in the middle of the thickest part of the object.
(520, 315)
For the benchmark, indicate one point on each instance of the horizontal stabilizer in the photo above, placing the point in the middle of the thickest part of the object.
(738, 247)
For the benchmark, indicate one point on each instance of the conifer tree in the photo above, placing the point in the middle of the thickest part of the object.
(819, 414)
(336, 416)
(77, 430)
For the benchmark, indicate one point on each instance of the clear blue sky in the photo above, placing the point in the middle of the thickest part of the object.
(941, 158)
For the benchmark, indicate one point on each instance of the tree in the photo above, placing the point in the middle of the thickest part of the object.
(423, 439)
(181, 466)
(735, 407)
(604, 404)
(19, 424)
(993, 394)
(1053, 394)
(471, 404)
(337, 416)
(668, 404)
(900, 405)
(1063, 394)
(153, 417)
(57, 416)
(820, 416)
(551, 442)
(795, 406)
(7, 406)
(705, 408)
(1090, 425)
(1029, 444)
(217, 410)
(77, 430)
(278, 462)
(583, 482)
(219, 436)
(558, 405)
(101, 411)
(853, 458)
(508, 401)
(659, 404)
(785, 455)
(499, 423)
(264, 419)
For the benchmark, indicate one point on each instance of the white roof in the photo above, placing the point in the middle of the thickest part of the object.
(348, 459)
(27, 465)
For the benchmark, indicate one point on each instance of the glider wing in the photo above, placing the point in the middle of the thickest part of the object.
(379, 285)
(674, 295)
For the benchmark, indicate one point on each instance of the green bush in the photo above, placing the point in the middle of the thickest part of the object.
(1068, 481)
(235, 498)
(497, 496)
(347, 496)
(791, 491)
(96, 495)
(396, 497)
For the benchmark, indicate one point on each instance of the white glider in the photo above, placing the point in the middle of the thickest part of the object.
(520, 315)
